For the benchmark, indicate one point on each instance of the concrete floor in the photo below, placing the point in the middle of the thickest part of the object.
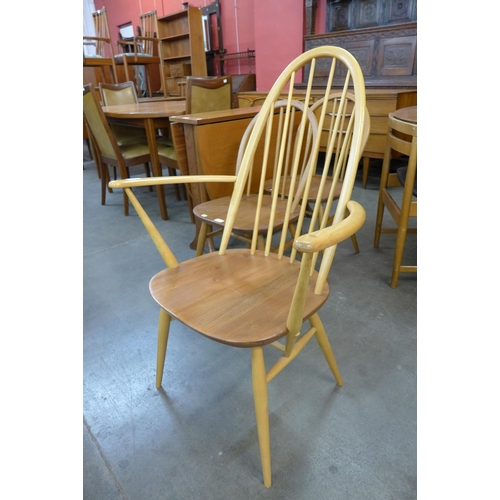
(196, 438)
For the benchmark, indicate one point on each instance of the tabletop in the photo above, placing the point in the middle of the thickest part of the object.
(406, 114)
(158, 109)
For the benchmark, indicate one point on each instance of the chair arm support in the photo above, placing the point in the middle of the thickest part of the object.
(329, 236)
(98, 38)
(177, 179)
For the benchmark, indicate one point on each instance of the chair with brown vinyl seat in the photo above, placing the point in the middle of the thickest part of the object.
(402, 138)
(250, 298)
(102, 55)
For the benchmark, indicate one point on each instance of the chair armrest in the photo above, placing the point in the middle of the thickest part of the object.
(147, 38)
(331, 235)
(177, 179)
(97, 38)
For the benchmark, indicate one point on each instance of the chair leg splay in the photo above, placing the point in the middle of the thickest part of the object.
(261, 411)
(163, 329)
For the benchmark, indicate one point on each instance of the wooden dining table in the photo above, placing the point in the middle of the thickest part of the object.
(151, 116)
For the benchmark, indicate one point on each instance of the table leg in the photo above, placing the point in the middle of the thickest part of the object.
(156, 166)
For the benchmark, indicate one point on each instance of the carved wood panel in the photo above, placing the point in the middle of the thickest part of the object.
(387, 55)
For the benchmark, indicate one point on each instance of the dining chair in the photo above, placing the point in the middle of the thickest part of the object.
(114, 94)
(250, 298)
(406, 207)
(144, 49)
(208, 93)
(103, 56)
(108, 152)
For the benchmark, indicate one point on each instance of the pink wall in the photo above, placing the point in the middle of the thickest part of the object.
(273, 30)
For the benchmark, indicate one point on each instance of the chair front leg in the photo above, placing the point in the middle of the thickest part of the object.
(326, 348)
(262, 411)
(163, 329)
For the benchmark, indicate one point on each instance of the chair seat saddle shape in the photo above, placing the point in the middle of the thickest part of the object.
(254, 296)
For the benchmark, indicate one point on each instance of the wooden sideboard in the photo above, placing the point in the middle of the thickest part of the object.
(379, 102)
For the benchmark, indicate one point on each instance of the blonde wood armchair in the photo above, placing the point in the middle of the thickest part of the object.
(250, 298)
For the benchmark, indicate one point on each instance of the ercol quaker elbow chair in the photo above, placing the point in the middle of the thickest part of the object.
(226, 295)
(406, 177)
(103, 56)
(144, 49)
(213, 213)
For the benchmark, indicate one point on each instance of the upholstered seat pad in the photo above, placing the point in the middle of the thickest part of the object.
(237, 298)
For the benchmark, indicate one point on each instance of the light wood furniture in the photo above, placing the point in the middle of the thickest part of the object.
(107, 150)
(150, 115)
(144, 51)
(332, 142)
(248, 298)
(404, 121)
(101, 42)
(212, 214)
(182, 49)
(379, 102)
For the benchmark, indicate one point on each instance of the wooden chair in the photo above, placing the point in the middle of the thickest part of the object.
(144, 49)
(113, 94)
(108, 152)
(104, 56)
(212, 214)
(400, 212)
(208, 93)
(248, 298)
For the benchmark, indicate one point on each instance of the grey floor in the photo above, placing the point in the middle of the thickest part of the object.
(195, 438)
